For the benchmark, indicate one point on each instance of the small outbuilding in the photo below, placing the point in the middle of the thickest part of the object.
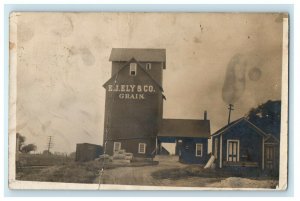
(241, 145)
(190, 137)
(88, 152)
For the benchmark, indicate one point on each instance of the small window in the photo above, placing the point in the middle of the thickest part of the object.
(142, 148)
(132, 70)
(117, 146)
(148, 66)
(199, 150)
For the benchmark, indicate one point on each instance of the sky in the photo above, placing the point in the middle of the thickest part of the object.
(211, 60)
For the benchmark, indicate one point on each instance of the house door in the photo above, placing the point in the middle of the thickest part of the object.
(233, 150)
(269, 157)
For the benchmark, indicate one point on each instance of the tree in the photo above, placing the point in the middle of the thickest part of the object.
(28, 148)
(267, 117)
(20, 141)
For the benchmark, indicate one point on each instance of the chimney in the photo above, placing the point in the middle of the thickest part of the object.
(205, 115)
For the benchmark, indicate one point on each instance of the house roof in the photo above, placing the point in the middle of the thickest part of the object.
(271, 139)
(89, 144)
(184, 128)
(235, 123)
(115, 76)
(141, 55)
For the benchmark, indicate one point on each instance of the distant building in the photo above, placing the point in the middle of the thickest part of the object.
(241, 144)
(87, 152)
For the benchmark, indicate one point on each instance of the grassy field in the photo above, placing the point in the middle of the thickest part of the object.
(43, 159)
(196, 171)
(71, 173)
(53, 168)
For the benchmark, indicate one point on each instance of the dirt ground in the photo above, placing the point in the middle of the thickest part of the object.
(143, 176)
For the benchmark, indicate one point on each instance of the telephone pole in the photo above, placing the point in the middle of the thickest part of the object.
(49, 144)
(230, 109)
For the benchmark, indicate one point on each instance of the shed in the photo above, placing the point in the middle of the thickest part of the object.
(191, 138)
(88, 152)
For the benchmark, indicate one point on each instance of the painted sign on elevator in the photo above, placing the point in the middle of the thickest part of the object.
(133, 91)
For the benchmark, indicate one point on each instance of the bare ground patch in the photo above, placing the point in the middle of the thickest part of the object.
(170, 172)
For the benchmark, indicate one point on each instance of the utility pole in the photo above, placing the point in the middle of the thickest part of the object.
(230, 109)
(49, 144)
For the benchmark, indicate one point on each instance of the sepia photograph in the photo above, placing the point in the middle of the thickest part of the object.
(148, 101)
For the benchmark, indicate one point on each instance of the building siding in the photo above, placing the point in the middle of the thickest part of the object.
(132, 120)
(187, 151)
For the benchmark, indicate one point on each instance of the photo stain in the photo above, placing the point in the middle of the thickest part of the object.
(201, 28)
(279, 18)
(25, 33)
(64, 27)
(254, 74)
(197, 40)
(235, 79)
(11, 45)
(87, 57)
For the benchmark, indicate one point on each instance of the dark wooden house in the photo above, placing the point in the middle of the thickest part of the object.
(134, 101)
(88, 152)
(241, 145)
(191, 138)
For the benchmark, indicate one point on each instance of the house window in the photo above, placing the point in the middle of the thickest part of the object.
(233, 150)
(148, 66)
(117, 146)
(199, 150)
(142, 148)
(133, 68)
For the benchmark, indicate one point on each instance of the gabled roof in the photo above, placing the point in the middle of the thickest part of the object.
(237, 122)
(115, 76)
(141, 55)
(271, 139)
(184, 128)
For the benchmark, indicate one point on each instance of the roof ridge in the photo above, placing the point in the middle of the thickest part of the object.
(227, 126)
(223, 129)
(271, 136)
(141, 54)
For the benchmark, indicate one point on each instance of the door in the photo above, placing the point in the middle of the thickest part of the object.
(233, 150)
(269, 157)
